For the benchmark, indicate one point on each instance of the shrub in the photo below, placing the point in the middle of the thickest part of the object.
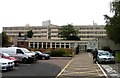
(59, 53)
(117, 56)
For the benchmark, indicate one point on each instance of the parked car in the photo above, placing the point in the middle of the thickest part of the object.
(7, 56)
(22, 54)
(40, 55)
(6, 64)
(105, 57)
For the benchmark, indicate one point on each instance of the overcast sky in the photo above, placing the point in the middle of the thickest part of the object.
(60, 12)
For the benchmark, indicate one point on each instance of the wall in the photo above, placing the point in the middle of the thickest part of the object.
(106, 42)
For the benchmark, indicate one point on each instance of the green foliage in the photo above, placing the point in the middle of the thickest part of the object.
(117, 56)
(59, 53)
(68, 32)
(113, 23)
(5, 40)
(29, 34)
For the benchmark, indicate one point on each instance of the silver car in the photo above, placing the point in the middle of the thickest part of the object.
(105, 57)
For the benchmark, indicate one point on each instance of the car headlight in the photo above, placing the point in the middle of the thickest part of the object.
(47, 55)
(4, 63)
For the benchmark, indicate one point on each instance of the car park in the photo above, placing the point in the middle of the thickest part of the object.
(22, 54)
(105, 57)
(40, 55)
(6, 64)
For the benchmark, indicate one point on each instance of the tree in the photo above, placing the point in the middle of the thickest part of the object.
(113, 23)
(29, 34)
(68, 32)
(5, 40)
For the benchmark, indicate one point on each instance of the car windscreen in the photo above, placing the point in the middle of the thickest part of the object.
(104, 54)
(38, 52)
(26, 50)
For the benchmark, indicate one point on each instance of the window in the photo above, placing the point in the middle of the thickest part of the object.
(48, 45)
(19, 51)
(22, 43)
(31, 44)
(35, 44)
(40, 44)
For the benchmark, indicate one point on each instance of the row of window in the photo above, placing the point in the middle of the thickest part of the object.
(92, 36)
(96, 32)
(80, 32)
(24, 28)
(88, 28)
(47, 45)
(44, 27)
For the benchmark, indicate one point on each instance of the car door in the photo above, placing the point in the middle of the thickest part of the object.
(19, 54)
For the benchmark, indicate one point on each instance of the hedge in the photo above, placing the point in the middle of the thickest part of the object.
(117, 56)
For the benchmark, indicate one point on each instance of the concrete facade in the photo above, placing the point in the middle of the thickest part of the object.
(85, 32)
(106, 42)
(47, 36)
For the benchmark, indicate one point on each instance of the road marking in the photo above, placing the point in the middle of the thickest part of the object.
(110, 70)
(79, 73)
(64, 68)
(103, 71)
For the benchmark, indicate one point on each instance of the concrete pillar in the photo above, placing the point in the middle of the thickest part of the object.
(33, 44)
(60, 45)
(64, 45)
(37, 45)
(28, 44)
(46, 45)
(55, 45)
(69, 45)
(50, 44)
(42, 44)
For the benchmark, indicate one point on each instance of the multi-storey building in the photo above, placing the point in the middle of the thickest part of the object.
(45, 34)
(86, 32)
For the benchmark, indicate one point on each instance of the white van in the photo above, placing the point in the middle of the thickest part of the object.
(22, 54)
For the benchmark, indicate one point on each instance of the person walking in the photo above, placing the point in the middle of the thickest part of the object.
(95, 54)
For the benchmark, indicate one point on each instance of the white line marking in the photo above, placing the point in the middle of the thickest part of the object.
(103, 71)
(64, 68)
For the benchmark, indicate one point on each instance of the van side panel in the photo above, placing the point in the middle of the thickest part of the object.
(9, 51)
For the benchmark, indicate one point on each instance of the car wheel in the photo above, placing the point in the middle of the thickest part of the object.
(43, 58)
(24, 60)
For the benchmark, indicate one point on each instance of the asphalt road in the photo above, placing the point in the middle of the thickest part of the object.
(40, 69)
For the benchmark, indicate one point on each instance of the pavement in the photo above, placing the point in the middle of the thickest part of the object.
(82, 66)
